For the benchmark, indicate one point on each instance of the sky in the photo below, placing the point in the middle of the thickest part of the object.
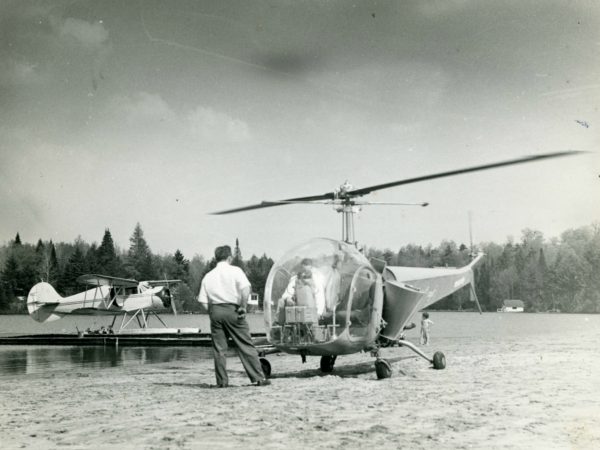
(115, 113)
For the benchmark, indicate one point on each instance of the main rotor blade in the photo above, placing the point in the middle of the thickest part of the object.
(510, 162)
(367, 190)
(311, 199)
(362, 203)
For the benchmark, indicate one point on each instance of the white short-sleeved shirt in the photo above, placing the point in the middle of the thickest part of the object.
(223, 284)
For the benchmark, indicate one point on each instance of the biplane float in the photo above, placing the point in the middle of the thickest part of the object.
(325, 298)
(108, 296)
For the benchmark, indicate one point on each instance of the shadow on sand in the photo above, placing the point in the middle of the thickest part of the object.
(342, 371)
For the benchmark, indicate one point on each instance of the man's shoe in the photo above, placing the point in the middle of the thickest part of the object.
(264, 382)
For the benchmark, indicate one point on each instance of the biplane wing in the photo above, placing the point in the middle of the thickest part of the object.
(104, 280)
(162, 282)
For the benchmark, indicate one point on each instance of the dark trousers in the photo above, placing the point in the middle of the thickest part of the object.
(224, 322)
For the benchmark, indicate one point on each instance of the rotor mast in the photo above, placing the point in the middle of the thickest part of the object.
(348, 208)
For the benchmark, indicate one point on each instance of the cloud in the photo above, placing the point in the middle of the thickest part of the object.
(203, 123)
(143, 107)
(214, 126)
(87, 34)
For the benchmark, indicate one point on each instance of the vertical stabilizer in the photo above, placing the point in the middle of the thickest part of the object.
(42, 301)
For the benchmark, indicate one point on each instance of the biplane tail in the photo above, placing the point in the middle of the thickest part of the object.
(42, 301)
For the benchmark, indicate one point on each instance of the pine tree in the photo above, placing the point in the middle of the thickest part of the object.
(53, 269)
(17, 240)
(74, 268)
(139, 258)
(237, 256)
(40, 260)
(108, 261)
(91, 259)
(182, 266)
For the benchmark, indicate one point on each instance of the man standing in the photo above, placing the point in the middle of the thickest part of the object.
(225, 290)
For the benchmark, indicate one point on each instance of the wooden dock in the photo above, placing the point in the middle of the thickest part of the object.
(137, 339)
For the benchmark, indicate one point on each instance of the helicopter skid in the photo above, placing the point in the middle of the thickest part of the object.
(438, 360)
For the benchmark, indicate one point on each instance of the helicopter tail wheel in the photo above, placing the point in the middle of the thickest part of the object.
(327, 363)
(266, 367)
(383, 369)
(439, 361)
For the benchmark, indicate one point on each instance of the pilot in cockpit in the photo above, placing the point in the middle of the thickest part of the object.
(306, 288)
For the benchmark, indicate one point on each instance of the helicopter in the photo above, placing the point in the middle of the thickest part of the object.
(108, 295)
(325, 298)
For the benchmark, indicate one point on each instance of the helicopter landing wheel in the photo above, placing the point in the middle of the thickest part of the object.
(439, 361)
(383, 369)
(327, 363)
(266, 367)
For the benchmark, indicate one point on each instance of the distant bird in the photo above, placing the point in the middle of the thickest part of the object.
(583, 123)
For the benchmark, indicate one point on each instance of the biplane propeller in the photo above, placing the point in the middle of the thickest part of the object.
(325, 298)
(108, 296)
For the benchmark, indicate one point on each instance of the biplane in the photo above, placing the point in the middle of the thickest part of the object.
(108, 296)
(326, 298)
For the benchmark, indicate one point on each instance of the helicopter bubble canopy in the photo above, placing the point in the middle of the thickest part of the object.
(316, 291)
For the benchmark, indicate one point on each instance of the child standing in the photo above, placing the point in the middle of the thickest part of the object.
(425, 324)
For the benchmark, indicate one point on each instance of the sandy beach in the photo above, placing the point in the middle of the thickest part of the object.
(514, 393)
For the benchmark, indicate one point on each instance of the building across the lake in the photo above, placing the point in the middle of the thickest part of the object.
(512, 306)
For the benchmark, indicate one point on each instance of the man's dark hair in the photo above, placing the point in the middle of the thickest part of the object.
(222, 253)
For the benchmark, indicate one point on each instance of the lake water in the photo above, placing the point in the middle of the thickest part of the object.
(449, 329)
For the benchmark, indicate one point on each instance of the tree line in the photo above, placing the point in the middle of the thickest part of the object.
(546, 274)
(22, 265)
